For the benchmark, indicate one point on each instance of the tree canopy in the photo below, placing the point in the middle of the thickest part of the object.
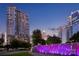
(19, 44)
(2, 39)
(37, 34)
(37, 37)
(75, 37)
(52, 40)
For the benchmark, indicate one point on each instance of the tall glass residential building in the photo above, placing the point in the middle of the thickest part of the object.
(17, 24)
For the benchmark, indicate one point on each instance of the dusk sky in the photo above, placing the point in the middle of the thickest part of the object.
(41, 16)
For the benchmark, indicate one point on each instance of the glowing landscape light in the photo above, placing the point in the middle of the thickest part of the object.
(63, 49)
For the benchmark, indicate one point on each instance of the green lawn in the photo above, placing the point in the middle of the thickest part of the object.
(21, 54)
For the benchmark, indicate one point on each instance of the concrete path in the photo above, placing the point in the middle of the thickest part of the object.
(5, 53)
(40, 54)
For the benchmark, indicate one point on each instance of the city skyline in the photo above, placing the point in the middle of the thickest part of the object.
(40, 29)
(41, 16)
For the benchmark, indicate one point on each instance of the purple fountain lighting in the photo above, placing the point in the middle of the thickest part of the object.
(63, 49)
(77, 48)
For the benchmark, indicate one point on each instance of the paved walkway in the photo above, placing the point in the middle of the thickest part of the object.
(5, 53)
(40, 54)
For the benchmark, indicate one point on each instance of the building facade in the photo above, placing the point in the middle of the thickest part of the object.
(17, 25)
(75, 21)
(73, 24)
(60, 32)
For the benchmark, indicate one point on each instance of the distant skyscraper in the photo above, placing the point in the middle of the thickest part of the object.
(73, 24)
(5, 39)
(17, 24)
(75, 21)
(60, 32)
(68, 32)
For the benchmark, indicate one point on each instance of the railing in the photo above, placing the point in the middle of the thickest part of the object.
(62, 49)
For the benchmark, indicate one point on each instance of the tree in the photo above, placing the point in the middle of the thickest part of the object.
(42, 41)
(25, 44)
(37, 38)
(19, 44)
(15, 43)
(2, 39)
(53, 40)
(75, 37)
(35, 41)
(37, 34)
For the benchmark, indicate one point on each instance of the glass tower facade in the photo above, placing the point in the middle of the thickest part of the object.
(75, 22)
